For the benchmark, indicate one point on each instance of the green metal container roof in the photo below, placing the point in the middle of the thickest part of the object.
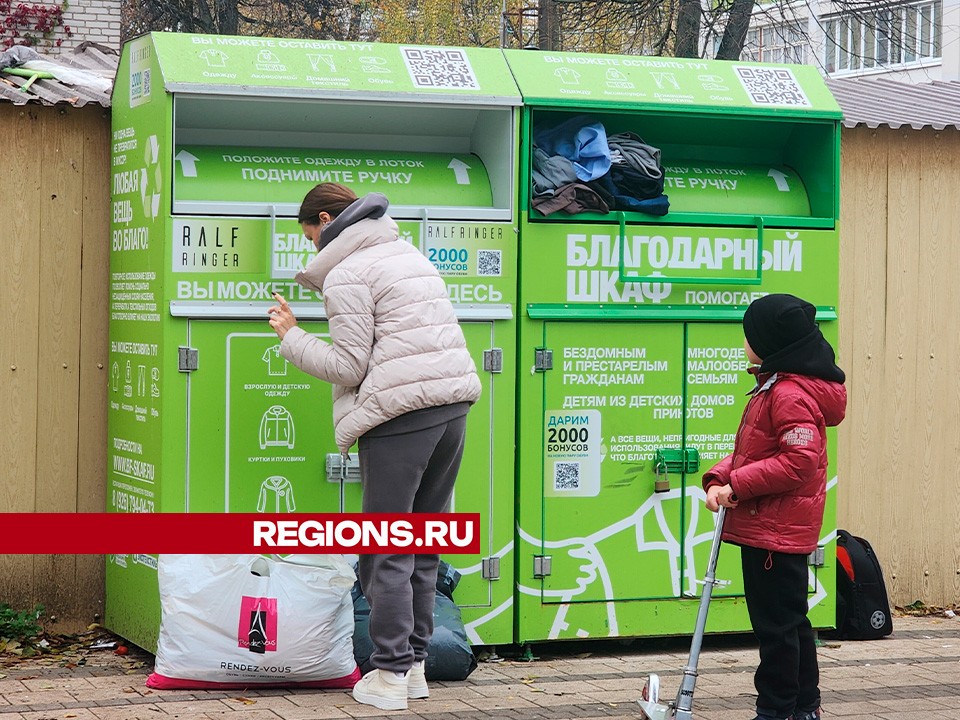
(265, 67)
(581, 80)
(287, 67)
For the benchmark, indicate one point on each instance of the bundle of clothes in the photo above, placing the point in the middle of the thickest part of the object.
(578, 168)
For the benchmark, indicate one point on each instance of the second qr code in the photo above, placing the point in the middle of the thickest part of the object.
(447, 68)
(488, 263)
(772, 86)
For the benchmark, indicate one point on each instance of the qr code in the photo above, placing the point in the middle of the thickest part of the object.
(488, 262)
(439, 68)
(566, 476)
(146, 83)
(772, 86)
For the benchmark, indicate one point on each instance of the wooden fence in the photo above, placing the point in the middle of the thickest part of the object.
(54, 280)
(900, 345)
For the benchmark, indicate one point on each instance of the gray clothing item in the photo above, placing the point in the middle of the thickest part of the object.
(17, 55)
(412, 472)
(551, 172)
(573, 198)
(631, 150)
(371, 206)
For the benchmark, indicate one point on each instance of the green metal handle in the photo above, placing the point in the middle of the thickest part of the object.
(680, 461)
(624, 278)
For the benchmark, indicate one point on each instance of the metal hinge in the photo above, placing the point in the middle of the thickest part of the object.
(542, 359)
(542, 565)
(493, 360)
(490, 568)
(816, 558)
(188, 359)
(337, 471)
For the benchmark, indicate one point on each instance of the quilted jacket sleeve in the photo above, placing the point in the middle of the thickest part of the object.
(796, 421)
(344, 360)
(719, 474)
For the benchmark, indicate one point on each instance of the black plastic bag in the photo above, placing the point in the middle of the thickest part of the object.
(449, 656)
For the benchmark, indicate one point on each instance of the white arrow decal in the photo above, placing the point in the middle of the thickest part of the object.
(154, 150)
(188, 163)
(460, 168)
(780, 179)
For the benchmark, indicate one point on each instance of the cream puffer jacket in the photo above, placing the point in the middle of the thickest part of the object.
(396, 345)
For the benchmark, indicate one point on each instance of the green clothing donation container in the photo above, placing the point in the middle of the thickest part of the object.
(215, 142)
(631, 368)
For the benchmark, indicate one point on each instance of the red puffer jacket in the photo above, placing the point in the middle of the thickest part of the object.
(778, 468)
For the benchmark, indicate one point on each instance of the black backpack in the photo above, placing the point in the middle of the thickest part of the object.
(863, 611)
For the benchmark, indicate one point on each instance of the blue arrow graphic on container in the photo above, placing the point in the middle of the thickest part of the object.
(460, 168)
(780, 179)
(188, 163)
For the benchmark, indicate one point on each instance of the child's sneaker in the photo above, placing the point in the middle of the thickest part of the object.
(808, 715)
(417, 682)
(383, 689)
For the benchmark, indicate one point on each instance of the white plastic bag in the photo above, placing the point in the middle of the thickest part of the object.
(234, 621)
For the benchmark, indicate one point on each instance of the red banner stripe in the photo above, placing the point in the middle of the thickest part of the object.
(238, 533)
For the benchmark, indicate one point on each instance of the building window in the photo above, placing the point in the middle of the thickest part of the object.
(780, 43)
(883, 37)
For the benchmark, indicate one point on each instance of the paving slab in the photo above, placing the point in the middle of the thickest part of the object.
(913, 674)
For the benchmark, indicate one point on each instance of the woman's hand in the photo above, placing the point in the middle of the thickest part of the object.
(281, 316)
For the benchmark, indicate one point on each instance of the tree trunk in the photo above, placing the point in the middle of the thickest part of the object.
(227, 19)
(688, 29)
(548, 25)
(735, 34)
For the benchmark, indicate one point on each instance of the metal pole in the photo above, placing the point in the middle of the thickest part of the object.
(684, 703)
(503, 25)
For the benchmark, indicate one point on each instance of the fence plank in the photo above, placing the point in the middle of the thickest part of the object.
(20, 300)
(94, 345)
(863, 231)
(61, 216)
(897, 519)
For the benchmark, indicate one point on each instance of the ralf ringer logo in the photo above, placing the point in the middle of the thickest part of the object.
(257, 630)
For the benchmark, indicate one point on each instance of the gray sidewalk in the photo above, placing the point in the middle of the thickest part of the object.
(912, 675)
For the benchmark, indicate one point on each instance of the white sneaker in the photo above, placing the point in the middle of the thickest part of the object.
(417, 682)
(383, 689)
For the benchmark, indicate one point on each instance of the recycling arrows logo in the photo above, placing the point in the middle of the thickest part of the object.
(151, 178)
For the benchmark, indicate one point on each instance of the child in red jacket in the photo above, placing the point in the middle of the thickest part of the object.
(774, 489)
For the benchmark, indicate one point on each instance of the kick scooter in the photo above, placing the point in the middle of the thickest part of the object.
(682, 708)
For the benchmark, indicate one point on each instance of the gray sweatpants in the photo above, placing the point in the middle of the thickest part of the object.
(412, 472)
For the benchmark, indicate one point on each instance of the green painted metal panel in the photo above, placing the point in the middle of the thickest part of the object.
(145, 395)
(661, 313)
(215, 174)
(262, 66)
(626, 549)
(586, 80)
(579, 263)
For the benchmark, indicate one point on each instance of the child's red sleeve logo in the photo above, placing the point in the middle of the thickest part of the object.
(797, 436)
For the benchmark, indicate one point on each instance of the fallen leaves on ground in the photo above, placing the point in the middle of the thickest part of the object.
(92, 648)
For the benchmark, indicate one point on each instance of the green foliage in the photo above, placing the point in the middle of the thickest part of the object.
(19, 625)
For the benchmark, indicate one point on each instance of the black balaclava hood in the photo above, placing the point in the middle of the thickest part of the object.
(783, 332)
(374, 205)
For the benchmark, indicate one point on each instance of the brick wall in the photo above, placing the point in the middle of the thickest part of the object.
(94, 20)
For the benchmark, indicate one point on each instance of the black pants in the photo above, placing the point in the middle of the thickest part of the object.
(413, 472)
(788, 677)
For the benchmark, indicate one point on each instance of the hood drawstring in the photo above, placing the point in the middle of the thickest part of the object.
(768, 565)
